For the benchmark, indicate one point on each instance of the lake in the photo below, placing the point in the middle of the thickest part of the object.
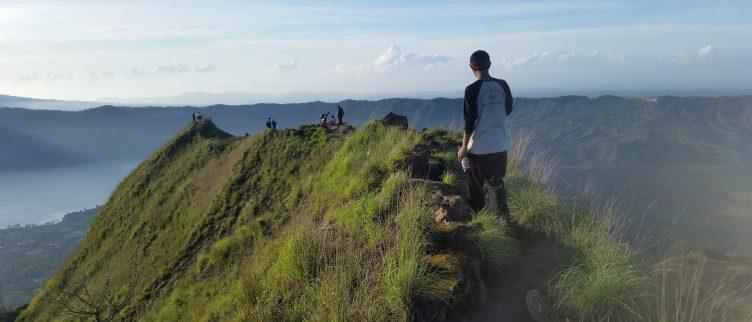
(37, 197)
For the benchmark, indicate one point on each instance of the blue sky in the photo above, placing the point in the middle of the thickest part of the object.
(93, 49)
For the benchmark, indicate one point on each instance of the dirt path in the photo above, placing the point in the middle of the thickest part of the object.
(531, 268)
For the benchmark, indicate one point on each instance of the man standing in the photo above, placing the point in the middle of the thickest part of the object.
(340, 114)
(488, 101)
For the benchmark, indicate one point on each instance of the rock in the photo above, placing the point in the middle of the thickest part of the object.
(392, 119)
(537, 307)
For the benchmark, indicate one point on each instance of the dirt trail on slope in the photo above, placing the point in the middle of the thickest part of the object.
(536, 260)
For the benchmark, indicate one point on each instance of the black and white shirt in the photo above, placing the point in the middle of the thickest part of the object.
(487, 104)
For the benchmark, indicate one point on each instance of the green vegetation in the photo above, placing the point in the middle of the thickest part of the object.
(284, 225)
(493, 242)
(300, 224)
(608, 278)
(31, 254)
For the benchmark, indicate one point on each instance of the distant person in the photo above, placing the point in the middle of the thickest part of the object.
(332, 122)
(488, 102)
(340, 114)
(274, 124)
(269, 123)
(194, 117)
(324, 121)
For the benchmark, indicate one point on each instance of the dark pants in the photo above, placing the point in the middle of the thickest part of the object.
(339, 116)
(488, 168)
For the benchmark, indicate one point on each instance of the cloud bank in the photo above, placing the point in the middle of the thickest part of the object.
(171, 69)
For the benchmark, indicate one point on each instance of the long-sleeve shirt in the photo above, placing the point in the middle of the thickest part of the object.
(487, 104)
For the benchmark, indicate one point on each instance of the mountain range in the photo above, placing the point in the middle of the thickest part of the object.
(680, 157)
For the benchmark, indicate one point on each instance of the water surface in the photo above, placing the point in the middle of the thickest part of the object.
(37, 197)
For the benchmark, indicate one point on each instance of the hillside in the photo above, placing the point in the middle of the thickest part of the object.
(367, 224)
(31, 254)
(24, 152)
(298, 216)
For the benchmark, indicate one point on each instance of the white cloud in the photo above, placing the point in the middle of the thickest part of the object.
(706, 52)
(395, 58)
(293, 64)
(178, 68)
(561, 56)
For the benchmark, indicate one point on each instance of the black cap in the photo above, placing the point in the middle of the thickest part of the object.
(480, 60)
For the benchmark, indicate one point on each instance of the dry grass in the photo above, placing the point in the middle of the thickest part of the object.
(694, 288)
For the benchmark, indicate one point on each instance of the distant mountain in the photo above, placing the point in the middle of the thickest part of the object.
(693, 154)
(47, 104)
(198, 99)
(23, 152)
(603, 131)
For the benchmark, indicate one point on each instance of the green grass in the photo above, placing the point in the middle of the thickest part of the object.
(604, 284)
(299, 225)
(492, 240)
(287, 225)
(603, 281)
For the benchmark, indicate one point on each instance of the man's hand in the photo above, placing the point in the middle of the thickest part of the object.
(461, 153)
(463, 150)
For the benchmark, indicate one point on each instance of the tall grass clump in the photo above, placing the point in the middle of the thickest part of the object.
(695, 288)
(531, 191)
(536, 210)
(605, 280)
(492, 240)
(603, 284)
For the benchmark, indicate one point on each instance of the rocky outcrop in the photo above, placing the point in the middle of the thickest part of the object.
(392, 119)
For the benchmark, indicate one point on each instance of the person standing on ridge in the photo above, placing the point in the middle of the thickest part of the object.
(274, 124)
(269, 123)
(488, 102)
(324, 121)
(340, 114)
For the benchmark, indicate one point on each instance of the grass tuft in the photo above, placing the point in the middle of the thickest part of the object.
(492, 240)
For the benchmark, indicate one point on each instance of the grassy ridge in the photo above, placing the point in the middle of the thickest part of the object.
(304, 225)
(288, 225)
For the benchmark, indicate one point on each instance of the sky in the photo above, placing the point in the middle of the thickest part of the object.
(89, 50)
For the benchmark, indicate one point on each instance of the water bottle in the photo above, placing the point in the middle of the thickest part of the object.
(465, 164)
